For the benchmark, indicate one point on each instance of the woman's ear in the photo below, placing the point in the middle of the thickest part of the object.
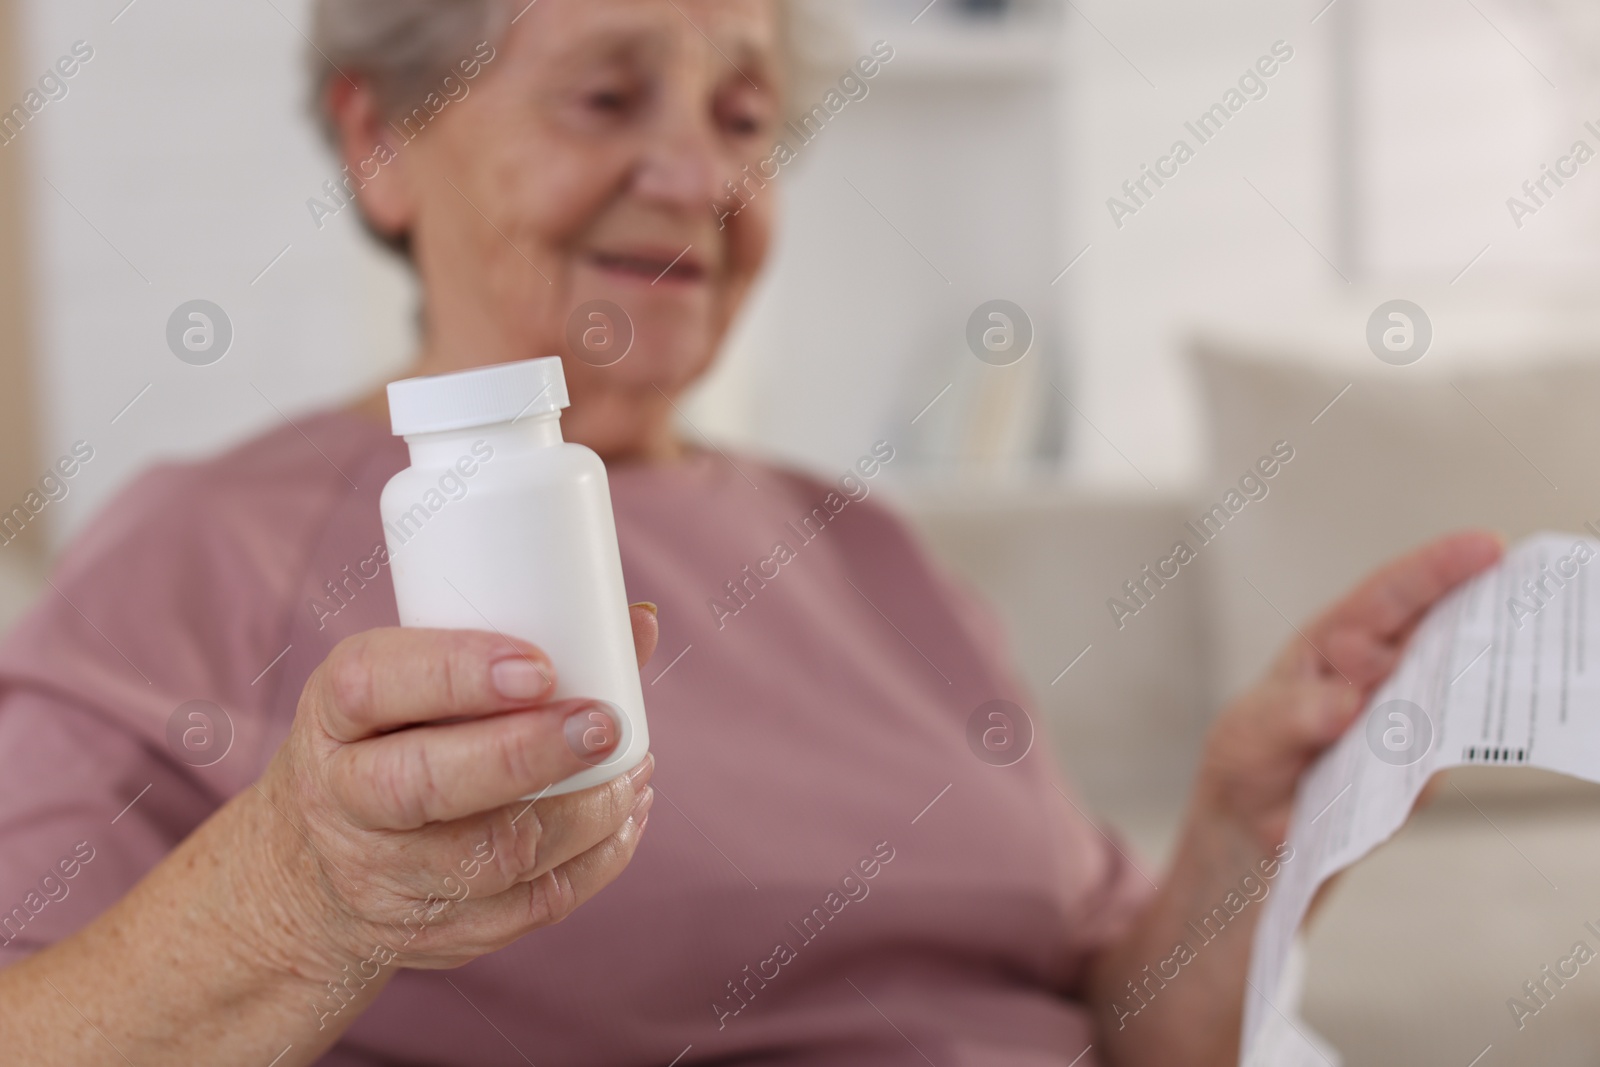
(372, 152)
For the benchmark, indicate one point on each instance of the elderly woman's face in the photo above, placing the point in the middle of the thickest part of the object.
(591, 161)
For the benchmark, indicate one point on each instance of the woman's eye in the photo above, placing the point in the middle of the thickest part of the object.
(743, 115)
(608, 100)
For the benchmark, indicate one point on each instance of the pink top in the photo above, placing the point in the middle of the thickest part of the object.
(820, 731)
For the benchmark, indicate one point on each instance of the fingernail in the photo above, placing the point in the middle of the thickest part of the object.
(593, 730)
(641, 806)
(520, 678)
(642, 771)
(648, 606)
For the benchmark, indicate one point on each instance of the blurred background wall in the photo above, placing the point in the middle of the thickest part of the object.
(1176, 339)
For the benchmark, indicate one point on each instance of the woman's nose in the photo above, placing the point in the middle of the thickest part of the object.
(681, 166)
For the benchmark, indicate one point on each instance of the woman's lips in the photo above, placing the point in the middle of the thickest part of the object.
(653, 266)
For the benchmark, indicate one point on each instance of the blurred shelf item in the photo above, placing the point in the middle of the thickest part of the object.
(956, 41)
(925, 202)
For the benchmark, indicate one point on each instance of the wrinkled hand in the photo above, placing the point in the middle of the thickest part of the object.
(1260, 745)
(396, 796)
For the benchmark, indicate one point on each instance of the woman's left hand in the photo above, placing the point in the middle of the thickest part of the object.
(1243, 798)
(1313, 691)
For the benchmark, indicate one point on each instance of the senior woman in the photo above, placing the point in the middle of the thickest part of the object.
(355, 881)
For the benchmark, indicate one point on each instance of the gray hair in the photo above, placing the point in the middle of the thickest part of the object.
(405, 47)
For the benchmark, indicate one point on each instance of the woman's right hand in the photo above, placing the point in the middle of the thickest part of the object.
(401, 836)
(386, 832)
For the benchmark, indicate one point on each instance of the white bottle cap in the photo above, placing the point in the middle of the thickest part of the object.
(500, 392)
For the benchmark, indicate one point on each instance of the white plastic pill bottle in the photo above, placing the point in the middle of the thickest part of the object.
(500, 525)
